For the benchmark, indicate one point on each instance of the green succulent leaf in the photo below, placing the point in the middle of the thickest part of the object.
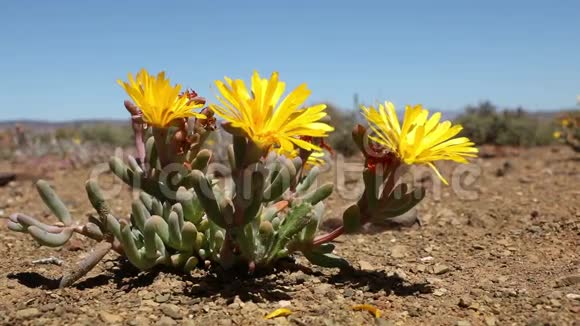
(53, 202)
(351, 219)
(399, 202)
(132, 252)
(325, 248)
(201, 160)
(296, 220)
(133, 165)
(190, 264)
(326, 260)
(308, 181)
(151, 153)
(140, 214)
(310, 230)
(113, 226)
(279, 184)
(188, 237)
(156, 224)
(255, 201)
(319, 194)
(174, 231)
(207, 198)
(50, 239)
(16, 227)
(192, 210)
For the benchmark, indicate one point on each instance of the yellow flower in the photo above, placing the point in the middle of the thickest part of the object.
(557, 134)
(316, 158)
(565, 122)
(420, 139)
(268, 119)
(159, 101)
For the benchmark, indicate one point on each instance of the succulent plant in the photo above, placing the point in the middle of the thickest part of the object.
(258, 208)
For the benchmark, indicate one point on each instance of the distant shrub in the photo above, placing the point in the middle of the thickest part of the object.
(6, 145)
(484, 124)
(340, 139)
(66, 133)
(108, 134)
(102, 133)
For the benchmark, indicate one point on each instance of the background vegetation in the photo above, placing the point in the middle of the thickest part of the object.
(343, 121)
(485, 124)
(103, 133)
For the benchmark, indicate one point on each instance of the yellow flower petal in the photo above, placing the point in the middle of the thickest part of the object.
(420, 139)
(438, 173)
(159, 101)
(265, 117)
(367, 307)
(316, 158)
(282, 312)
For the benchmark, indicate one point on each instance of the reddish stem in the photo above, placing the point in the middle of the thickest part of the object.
(328, 237)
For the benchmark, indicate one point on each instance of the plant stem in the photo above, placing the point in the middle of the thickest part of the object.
(328, 237)
(160, 136)
(85, 265)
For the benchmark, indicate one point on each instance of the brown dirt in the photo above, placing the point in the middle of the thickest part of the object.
(508, 257)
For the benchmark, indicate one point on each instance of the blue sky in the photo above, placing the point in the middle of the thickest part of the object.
(59, 60)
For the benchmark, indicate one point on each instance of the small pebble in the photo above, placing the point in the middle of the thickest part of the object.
(109, 318)
(465, 301)
(365, 265)
(27, 313)
(573, 296)
(171, 310)
(165, 321)
(162, 298)
(398, 251)
(284, 303)
(439, 269)
(490, 321)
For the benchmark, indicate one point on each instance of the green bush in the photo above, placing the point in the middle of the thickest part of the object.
(108, 134)
(343, 121)
(484, 124)
(102, 133)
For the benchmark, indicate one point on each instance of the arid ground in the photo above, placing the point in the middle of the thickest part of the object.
(503, 251)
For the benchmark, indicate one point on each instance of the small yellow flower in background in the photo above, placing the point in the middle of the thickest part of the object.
(316, 158)
(557, 134)
(420, 139)
(266, 117)
(159, 101)
(77, 140)
(565, 122)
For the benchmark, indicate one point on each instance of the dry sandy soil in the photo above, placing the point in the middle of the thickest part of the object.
(503, 253)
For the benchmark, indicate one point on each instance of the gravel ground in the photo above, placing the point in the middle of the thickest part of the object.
(505, 253)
